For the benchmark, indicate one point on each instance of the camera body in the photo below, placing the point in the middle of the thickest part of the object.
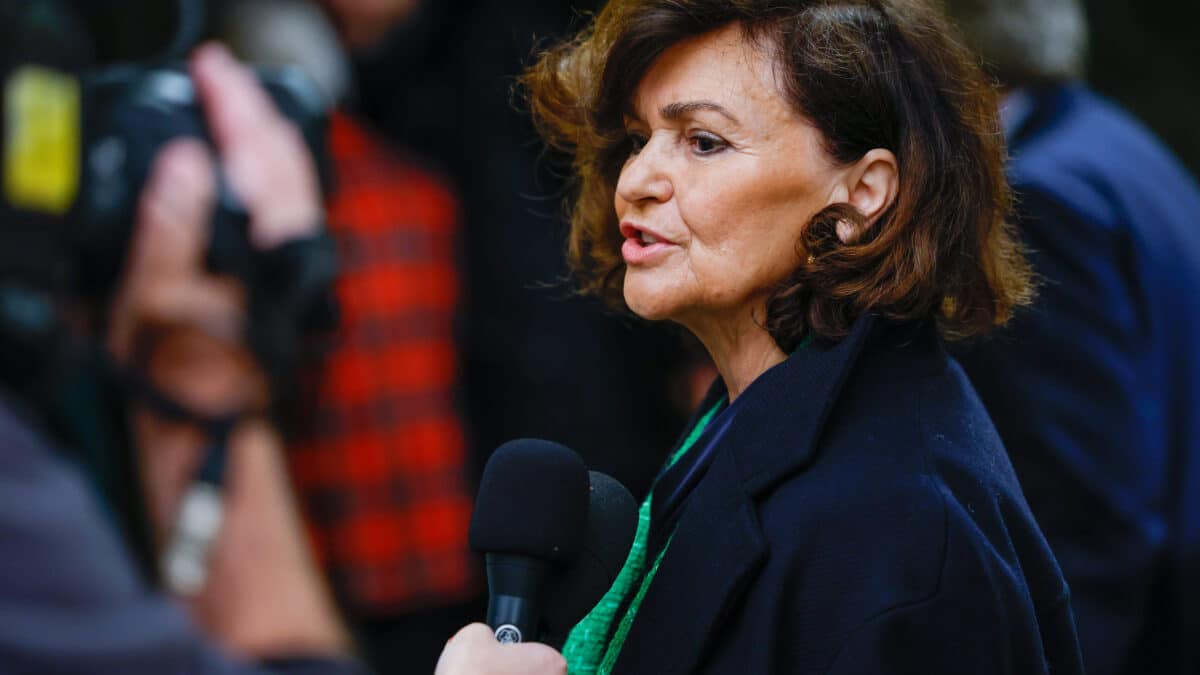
(78, 151)
(78, 145)
(130, 113)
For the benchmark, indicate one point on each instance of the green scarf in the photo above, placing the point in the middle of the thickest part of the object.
(586, 650)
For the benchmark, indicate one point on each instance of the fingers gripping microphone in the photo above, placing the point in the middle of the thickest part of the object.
(530, 517)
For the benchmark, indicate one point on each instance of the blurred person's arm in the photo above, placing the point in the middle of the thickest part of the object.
(1064, 385)
(70, 599)
(183, 330)
(71, 602)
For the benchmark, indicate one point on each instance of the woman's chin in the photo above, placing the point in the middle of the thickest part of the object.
(648, 305)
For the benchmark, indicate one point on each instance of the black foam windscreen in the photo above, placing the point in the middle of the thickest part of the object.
(611, 526)
(533, 501)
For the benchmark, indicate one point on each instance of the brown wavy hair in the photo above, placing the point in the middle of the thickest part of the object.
(867, 74)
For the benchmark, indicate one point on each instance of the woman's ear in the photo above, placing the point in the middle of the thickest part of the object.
(871, 186)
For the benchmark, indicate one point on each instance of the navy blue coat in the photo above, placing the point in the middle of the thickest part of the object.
(1096, 390)
(71, 602)
(859, 515)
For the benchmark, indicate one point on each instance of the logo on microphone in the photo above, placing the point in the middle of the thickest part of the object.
(508, 634)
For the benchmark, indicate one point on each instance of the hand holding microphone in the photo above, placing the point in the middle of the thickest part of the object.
(555, 536)
(475, 651)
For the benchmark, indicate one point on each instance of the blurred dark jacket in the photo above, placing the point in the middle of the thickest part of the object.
(859, 515)
(71, 602)
(1096, 388)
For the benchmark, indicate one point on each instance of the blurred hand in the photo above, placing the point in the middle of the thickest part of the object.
(475, 651)
(179, 326)
(183, 328)
(263, 154)
(265, 597)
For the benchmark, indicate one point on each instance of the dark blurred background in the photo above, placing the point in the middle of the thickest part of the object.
(538, 361)
(434, 95)
(1146, 55)
(440, 85)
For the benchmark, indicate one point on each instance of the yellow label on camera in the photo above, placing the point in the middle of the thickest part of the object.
(41, 139)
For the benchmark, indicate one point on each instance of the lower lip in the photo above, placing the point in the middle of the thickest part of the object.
(637, 253)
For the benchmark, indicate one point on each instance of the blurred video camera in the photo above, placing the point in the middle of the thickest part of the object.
(81, 131)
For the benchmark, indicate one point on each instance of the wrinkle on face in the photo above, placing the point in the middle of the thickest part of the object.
(737, 214)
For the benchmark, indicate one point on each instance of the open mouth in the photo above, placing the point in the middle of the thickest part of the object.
(639, 234)
(641, 246)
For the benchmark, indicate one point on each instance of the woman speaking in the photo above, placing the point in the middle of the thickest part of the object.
(814, 189)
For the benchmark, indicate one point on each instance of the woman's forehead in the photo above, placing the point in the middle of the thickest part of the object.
(722, 67)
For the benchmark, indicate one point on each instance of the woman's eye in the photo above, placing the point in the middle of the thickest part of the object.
(706, 144)
(636, 143)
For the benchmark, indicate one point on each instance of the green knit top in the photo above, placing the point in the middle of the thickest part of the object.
(588, 650)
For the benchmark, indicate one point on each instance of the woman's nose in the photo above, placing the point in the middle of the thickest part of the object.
(644, 176)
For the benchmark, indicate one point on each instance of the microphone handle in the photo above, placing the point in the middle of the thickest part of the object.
(515, 595)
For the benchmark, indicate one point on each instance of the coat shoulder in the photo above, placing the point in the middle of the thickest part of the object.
(911, 508)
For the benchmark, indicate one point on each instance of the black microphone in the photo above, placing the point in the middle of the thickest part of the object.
(530, 517)
(574, 591)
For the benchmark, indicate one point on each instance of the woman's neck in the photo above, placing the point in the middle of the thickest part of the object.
(741, 349)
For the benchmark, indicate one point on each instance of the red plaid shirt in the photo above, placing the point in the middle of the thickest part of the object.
(381, 468)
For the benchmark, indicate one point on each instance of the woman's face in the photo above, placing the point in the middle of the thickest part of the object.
(723, 176)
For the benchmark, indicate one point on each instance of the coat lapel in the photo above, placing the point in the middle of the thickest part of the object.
(718, 545)
(782, 422)
(716, 550)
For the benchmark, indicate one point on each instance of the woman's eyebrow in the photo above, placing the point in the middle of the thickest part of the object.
(674, 111)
